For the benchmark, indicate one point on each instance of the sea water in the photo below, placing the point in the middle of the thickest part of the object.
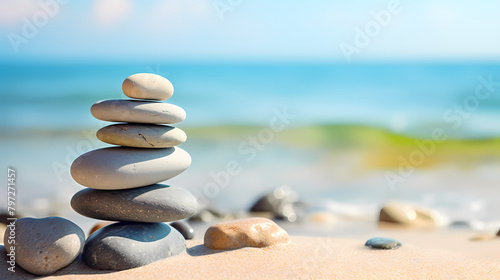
(399, 96)
(46, 123)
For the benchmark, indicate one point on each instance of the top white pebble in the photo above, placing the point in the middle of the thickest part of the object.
(147, 86)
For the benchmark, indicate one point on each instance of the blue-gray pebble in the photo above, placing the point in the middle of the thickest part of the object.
(383, 243)
(184, 228)
(126, 245)
(152, 204)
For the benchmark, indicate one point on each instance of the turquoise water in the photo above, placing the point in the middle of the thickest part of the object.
(404, 97)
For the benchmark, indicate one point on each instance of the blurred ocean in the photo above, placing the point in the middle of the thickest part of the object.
(46, 123)
(406, 98)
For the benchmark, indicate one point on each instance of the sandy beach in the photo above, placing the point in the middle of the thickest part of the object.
(424, 255)
(249, 140)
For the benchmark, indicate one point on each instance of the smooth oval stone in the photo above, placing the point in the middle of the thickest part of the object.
(117, 168)
(43, 246)
(383, 243)
(126, 245)
(483, 237)
(142, 135)
(136, 111)
(147, 86)
(252, 232)
(323, 217)
(150, 204)
(282, 203)
(184, 228)
(408, 215)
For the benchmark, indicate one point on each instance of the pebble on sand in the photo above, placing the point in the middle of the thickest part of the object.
(323, 217)
(408, 215)
(46, 245)
(282, 203)
(148, 86)
(184, 228)
(383, 243)
(252, 232)
(483, 237)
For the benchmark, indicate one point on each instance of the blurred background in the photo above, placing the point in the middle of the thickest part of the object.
(343, 106)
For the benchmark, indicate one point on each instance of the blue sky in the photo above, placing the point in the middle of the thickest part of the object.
(257, 30)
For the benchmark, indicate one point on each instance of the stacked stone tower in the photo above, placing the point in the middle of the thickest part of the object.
(122, 181)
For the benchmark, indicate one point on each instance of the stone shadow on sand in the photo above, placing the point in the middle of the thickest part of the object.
(77, 267)
(201, 250)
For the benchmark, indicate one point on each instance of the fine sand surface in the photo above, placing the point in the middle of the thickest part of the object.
(304, 258)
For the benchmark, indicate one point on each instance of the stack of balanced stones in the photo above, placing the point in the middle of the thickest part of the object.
(122, 181)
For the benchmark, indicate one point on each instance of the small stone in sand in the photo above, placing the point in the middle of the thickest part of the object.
(323, 217)
(483, 237)
(43, 246)
(98, 226)
(252, 232)
(460, 224)
(383, 243)
(184, 228)
(282, 203)
(408, 215)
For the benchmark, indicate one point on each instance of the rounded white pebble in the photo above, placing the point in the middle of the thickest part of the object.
(147, 86)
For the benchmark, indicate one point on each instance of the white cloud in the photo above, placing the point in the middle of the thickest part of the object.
(110, 12)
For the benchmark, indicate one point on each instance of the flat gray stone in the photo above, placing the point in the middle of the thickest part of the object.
(383, 243)
(142, 135)
(137, 111)
(116, 168)
(152, 204)
(126, 245)
(43, 246)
